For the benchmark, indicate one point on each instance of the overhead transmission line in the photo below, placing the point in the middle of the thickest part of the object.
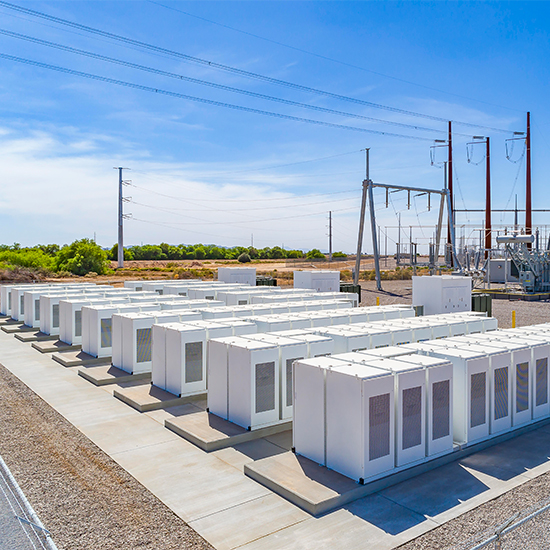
(141, 87)
(201, 82)
(234, 70)
(327, 58)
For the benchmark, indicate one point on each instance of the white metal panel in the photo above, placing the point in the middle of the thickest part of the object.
(253, 384)
(439, 402)
(360, 418)
(185, 359)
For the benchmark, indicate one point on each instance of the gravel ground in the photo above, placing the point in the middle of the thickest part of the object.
(479, 524)
(82, 496)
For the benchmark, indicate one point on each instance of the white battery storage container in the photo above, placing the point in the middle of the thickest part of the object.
(309, 417)
(360, 411)
(254, 384)
(18, 301)
(218, 374)
(185, 359)
(70, 317)
(290, 350)
(31, 316)
(132, 335)
(522, 372)
(410, 408)
(97, 335)
(471, 399)
(439, 402)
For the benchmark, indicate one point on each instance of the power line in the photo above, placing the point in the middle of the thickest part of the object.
(234, 70)
(327, 58)
(176, 76)
(203, 100)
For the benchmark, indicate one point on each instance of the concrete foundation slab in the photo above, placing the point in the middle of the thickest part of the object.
(78, 359)
(13, 328)
(147, 397)
(50, 347)
(34, 336)
(103, 375)
(317, 490)
(210, 432)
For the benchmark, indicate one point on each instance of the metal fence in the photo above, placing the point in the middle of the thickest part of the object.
(526, 530)
(20, 527)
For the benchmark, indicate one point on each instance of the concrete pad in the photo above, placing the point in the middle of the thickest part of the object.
(430, 488)
(149, 398)
(78, 359)
(57, 345)
(187, 480)
(210, 432)
(13, 328)
(102, 375)
(34, 336)
(247, 452)
(266, 515)
(161, 415)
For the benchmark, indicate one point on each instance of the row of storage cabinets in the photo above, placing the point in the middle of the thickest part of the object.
(97, 322)
(367, 415)
(236, 294)
(174, 347)
(250, 377)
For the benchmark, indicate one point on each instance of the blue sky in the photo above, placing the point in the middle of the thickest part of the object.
(205, 173)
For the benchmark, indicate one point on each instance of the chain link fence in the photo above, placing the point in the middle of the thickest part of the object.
(526, 530)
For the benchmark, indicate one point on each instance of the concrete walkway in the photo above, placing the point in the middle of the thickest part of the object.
(210, 492)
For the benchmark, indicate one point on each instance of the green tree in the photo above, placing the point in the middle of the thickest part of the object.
(315, 253)
(81, 257)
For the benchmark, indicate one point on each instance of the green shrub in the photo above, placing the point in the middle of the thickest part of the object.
(81, 257)
(339, 255)
(315, 253)
(244, 258)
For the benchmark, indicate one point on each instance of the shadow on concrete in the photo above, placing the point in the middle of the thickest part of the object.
(388, 516)
(514, 457)
(258, 449)
(436, 491)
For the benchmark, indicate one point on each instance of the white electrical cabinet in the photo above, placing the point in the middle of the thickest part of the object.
(97, 322)
(360, 409)
(254, 384)
(218, 374)
(240, 275)
(410, 409)
(70, 317)
(309, 417)
(471, 399)
(133, 339)
(540, 356)
(49, 311)
(290, 350)
(439, 402)
(18, 301)
(31, 315)
(317, 345)
(272, 323)
(442, 293)
(320, 280)
(185, 359)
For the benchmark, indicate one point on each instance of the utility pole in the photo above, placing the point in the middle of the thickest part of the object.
(450, 183)
(120, 218)
(361, 224)
(330, 236)
(528, 219)
(488, 240)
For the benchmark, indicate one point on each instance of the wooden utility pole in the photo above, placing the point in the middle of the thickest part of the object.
(488, 240)
(528, 218)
